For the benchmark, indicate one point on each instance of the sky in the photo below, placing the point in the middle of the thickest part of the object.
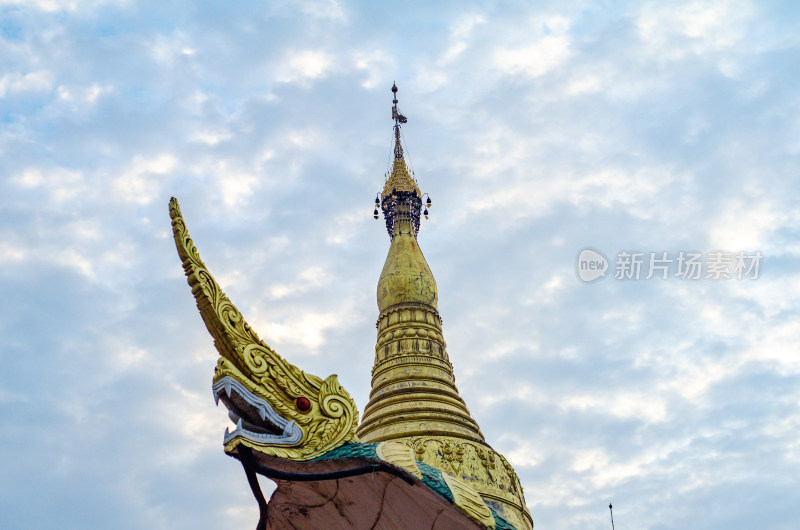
(538, 129)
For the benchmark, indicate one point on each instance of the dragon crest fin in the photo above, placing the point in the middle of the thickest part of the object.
(328, 416)
(231, 333)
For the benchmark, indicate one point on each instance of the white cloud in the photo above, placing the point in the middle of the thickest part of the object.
(343, 229)
(460, 35)
(445, 65)
(376, 64)
(304, 66)
(307, 279)
(539, 56)
(72, 258)
(525, 455)
(633, 190)
(464, 26)
(80, 97)
(131, 356)
(10, 252)
(39, 81)
(60, 184)
(306, 330)
(141, 181)
(548, 292)
(188, 416)
(778, 346)
(234, 183)
(50, 6)
(585, 85)
(195, 101)
(167, 49)
(749, 225)
(643, 406)
(535, 59)
(671, 31)
(211, 137)
(331, 10)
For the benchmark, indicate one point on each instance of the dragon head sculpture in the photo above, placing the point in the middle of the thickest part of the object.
(278, 409)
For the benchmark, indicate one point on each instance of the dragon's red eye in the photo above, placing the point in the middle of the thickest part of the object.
(303, 404)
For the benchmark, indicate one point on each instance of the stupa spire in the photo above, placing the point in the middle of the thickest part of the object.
(398, 119)
(414, 399)
(401, 198)
(413, 388)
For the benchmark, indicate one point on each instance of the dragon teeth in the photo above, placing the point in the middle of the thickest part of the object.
(216, 398)
(228, 387)
(227, 432)
(239, 425)
(263, 413)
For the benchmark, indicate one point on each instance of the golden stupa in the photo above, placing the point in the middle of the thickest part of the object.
(417, 459)
(414, 399)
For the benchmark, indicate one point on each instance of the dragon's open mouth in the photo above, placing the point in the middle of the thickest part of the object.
(255, 419)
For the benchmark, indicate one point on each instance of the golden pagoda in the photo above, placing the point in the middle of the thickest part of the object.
(414, 399)
(417, 460)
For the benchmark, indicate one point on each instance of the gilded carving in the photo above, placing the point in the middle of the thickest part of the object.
(399, 454)
(470, 501)
(487, 460)
(485, 470)
(288, 413)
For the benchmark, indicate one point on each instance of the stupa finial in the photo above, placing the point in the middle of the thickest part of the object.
(398, 119)
(401, 198)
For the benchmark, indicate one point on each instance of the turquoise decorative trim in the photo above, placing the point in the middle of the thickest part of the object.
(431, 476)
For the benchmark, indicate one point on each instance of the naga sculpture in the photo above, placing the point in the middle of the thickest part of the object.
(419, 459)
(278, 409)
